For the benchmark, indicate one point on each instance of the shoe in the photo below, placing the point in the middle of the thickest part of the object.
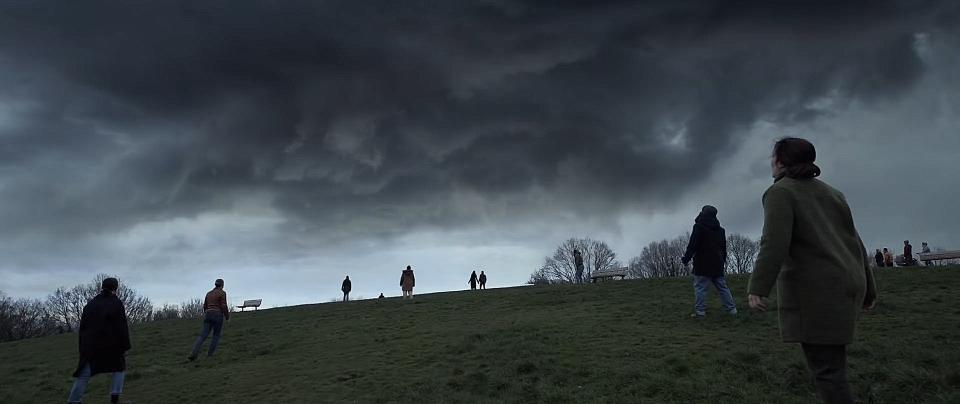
(733, 312)
(192, 358)
(698, 315)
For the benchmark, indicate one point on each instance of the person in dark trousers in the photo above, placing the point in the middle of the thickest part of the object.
(907, 253)
(483, 280)
(811, 249)
(925, 249)
(407, 282)
(473, 280)
(215, 311)
(878, 258)
(887, 258)
(578, 264)
(708, 249)
(104, 340)
(345, 288)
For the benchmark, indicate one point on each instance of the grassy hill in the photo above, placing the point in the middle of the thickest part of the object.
(618, 342)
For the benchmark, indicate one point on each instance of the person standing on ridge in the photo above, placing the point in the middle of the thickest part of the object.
(907, 253)
(925, 249)
(407, 282)
(345, 288)
(483, 280)
(887, 257)
(578, 263)
(878, 257)
(473, 280)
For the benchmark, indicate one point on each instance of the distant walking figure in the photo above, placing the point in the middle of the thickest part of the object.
(708, 249)
(104, 341)
(878, 257)
(887, 258)
(407, 282)
(473, 280)
(345, 288)
(381, 296)
(578, 263)
(483, 280)
(925, 249)
(811, 247)
(215, 311)
(907, 253)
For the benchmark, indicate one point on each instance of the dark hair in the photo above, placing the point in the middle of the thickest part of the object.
(797, 156)
(110, 284)
(218, 283)
(408, 267)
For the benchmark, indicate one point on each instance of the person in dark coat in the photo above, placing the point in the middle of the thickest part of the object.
(483, 280)
(708, 249)
(407, 282)
(473, 280)
(812, 252)
(878, 258)
(104, 341)
(907, 253)
(345, 288)
(578, 264)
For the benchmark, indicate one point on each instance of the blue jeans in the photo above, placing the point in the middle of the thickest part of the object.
(701, 285)
(212, 321)
(80, 384)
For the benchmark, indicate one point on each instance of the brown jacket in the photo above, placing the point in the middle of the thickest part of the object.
(216, 300)
(407, 280)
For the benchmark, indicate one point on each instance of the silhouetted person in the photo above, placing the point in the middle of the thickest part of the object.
(578, 264)
(483, 280)
(811, 247)
(407, 282)
(345, 288)
(907, 253)
(104, 340)
(381, 296)
(878, 257)
(215, 311)
(473, 280)
(887, 257)
(708, 249)
(925, 249)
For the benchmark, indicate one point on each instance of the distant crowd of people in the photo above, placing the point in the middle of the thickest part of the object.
(885, 258)
(809, 247)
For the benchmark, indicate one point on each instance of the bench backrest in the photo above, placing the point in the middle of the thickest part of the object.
(946, 255)
(252, 303)
(615, 272)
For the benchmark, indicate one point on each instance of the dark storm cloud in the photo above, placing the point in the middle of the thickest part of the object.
(366, 119)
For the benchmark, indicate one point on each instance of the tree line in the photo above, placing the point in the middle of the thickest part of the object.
(60, 312)
(657, 260)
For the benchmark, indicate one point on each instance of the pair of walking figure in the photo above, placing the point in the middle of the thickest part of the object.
(474, 280)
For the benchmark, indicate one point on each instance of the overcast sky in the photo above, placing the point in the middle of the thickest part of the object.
(283, 145)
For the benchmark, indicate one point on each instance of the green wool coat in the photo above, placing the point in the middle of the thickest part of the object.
(811, 250)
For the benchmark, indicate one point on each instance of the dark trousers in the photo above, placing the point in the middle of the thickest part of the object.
(212, 321)
(828, 363)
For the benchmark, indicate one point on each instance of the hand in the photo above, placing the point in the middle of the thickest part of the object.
(758, 303)
(869, 305)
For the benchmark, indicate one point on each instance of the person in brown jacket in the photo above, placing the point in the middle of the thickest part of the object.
(811, 250)
(407, 282)
(215, 311)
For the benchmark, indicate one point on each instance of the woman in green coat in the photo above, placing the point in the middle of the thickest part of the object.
(811, 250)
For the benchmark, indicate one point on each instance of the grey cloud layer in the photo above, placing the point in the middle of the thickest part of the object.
(369, 120)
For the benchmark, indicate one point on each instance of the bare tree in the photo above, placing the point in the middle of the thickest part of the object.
(167, 312)
(561, 267)
(660, 259)
(742, 253)
(61, 305)
(192, 308)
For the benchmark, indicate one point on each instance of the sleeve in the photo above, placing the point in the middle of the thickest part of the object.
(871, 280)
(401, 280)
(413, 280)
(223, 306)
(123, 328)
(692, 245)
(723, 247)
(774, 242)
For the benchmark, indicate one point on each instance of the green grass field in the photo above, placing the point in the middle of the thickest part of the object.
(619, 342)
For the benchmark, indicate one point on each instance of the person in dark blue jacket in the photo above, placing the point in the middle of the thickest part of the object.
(708, 249)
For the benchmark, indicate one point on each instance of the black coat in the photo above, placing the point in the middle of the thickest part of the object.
(707, 247)
(104, 335)
(346, 286)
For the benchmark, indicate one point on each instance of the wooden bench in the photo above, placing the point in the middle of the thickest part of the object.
(939, 256)
(608, 275)
(250, 303)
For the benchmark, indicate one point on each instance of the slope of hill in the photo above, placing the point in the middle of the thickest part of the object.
(629, 341)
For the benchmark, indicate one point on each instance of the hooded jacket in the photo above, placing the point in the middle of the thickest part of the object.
(708, 245)
(104, 335)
